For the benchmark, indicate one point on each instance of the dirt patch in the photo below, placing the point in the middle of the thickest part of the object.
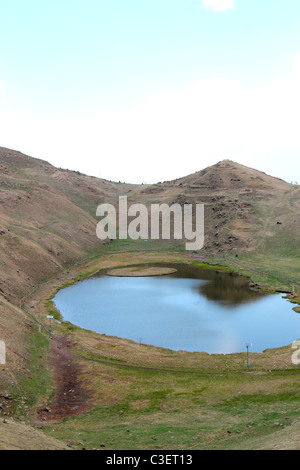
(140, 272)
(70, 397)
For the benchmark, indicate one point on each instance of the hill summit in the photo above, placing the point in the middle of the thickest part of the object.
(245, 208)
(227, 174)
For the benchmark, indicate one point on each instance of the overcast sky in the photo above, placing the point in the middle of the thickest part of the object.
(151, 90)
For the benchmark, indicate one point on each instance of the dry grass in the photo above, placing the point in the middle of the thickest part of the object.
(17, 436)
(139, 271)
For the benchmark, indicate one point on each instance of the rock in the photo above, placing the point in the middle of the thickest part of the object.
(8, 396)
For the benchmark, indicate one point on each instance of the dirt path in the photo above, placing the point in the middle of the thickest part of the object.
(70, 397)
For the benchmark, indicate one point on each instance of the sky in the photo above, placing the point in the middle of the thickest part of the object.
(144, 91)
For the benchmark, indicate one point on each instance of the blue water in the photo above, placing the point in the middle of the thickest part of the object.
(175, 313)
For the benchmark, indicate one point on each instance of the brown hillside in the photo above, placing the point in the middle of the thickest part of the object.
(47, 222)
(47, 219)
(244, 208)
(228, 174)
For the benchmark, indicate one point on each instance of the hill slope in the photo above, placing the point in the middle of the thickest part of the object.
(244, 208)
(47, 219)
(47, 223)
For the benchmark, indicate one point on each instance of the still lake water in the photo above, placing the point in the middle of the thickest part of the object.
(191, 310)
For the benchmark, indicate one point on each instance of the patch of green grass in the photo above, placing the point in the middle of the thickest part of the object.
(210, 266)
(70, 327)
(201, 426)
(52, 310)
(296, 300)
(140, 246)
(36, 383)
(270, 271)
(155, 410)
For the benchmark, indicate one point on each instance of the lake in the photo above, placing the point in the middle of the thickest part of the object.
(192, 310)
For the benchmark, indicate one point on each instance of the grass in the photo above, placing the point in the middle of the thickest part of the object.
(140, 246)
(33, 385)
(270, 272)
(18, 436)
(295, 300)
(137, 271)
(151, 410)
(152, 398)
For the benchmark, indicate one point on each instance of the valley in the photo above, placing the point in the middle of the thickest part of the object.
(80, 389)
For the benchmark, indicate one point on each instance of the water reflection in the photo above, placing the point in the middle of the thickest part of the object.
(231, 291)
(227, 288)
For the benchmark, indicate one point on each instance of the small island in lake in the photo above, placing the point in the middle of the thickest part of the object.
(141, 271)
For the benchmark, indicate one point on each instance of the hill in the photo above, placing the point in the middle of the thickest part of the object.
(47, 223)
(47, 219)
(244, 208)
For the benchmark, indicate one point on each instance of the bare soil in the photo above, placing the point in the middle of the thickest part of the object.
(70, 397)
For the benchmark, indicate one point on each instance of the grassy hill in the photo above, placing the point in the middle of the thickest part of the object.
(48, 239)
